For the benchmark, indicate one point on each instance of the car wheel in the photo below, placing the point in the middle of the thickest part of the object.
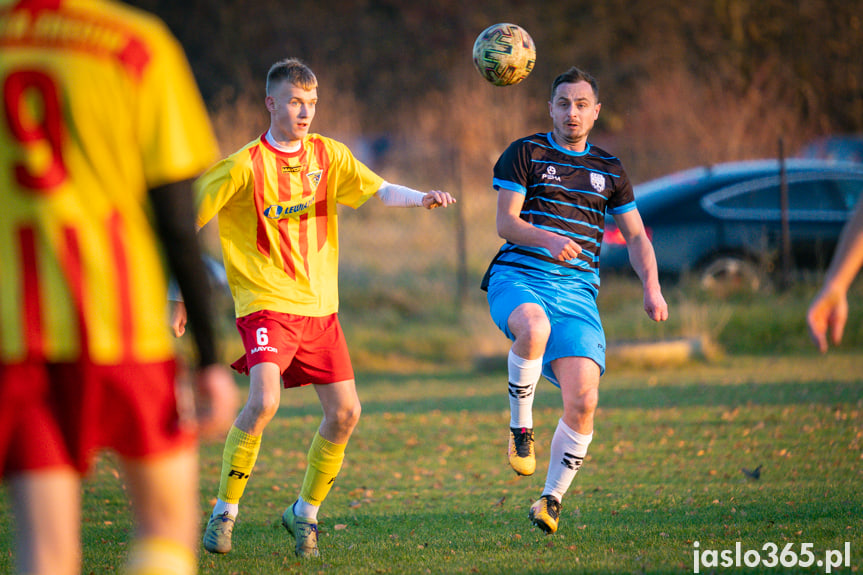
(728, 274)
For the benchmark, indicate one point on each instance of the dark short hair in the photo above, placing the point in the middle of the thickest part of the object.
(572, 76)
(292, 70)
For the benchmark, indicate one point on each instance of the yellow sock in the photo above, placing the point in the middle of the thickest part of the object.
(238, 459)
(325, 461)
(156, 556)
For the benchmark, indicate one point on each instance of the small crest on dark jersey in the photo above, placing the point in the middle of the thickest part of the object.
(597, 181)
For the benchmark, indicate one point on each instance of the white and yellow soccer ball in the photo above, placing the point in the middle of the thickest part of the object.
(504, 54)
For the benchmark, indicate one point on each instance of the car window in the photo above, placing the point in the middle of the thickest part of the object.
(818, 195)
(808, 199)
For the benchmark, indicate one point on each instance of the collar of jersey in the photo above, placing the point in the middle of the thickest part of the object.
(560, 148)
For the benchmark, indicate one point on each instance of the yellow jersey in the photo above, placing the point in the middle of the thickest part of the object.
(278, 223)
(99, 106)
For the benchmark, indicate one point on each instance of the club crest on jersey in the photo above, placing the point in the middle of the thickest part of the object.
(551, 174)
(279, 211)
(315, 178)
(597, 181)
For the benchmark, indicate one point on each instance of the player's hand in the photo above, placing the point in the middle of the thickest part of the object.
(828, 312)
(215, 401)
(437, 199)
(178, 318)
(562, 248)
(654, 305)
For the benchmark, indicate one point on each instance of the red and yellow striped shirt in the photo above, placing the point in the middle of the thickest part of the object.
(278, 222)
(99, 106)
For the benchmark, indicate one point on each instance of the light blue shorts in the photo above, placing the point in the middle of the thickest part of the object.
(570, 305)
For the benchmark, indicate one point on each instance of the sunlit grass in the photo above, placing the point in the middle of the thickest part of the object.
(426, 487)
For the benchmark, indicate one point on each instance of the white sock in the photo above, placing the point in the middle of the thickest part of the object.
(523, 377)
(221, 506)
(304, 509)
(568, 449)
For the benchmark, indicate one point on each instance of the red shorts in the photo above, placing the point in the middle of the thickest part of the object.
(55, 415)
(306, 349)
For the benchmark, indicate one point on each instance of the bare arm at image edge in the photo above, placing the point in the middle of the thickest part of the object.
(829, 310)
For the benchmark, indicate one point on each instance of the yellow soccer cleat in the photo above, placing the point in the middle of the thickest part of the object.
(305, 531)
(522, 457)
(545, 513)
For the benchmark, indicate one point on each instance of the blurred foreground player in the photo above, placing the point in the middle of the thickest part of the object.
(102, 130)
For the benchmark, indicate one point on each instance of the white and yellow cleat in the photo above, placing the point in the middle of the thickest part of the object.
(522, 457)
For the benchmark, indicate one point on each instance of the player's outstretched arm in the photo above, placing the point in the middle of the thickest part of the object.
(395, 195)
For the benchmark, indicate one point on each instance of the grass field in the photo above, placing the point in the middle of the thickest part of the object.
(426, 487)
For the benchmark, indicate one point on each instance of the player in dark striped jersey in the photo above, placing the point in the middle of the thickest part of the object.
(554, 190)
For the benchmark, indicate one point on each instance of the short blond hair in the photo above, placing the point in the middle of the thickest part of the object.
(293, 71)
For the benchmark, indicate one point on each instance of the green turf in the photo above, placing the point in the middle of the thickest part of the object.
(426, 488)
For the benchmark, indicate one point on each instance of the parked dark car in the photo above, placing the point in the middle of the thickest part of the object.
(724, 222)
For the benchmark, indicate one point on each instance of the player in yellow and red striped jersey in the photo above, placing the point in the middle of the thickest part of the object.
(101, 132)
(276, 200)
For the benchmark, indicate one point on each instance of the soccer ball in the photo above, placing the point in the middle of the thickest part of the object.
(504, 54)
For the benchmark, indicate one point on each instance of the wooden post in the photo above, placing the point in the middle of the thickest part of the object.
(786, 227)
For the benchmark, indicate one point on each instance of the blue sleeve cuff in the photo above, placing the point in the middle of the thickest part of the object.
(507, 185)
(622, 209)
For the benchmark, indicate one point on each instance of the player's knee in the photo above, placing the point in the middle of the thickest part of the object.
(582, 405)
(529, 321)
(347, 417)
(263, 408)
(531, 344)
(538, 332)
(589, 403)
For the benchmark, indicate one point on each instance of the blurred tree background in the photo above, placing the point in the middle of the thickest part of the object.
(683, 82)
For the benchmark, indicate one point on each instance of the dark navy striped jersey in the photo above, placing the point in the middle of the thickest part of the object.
(565, 192)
